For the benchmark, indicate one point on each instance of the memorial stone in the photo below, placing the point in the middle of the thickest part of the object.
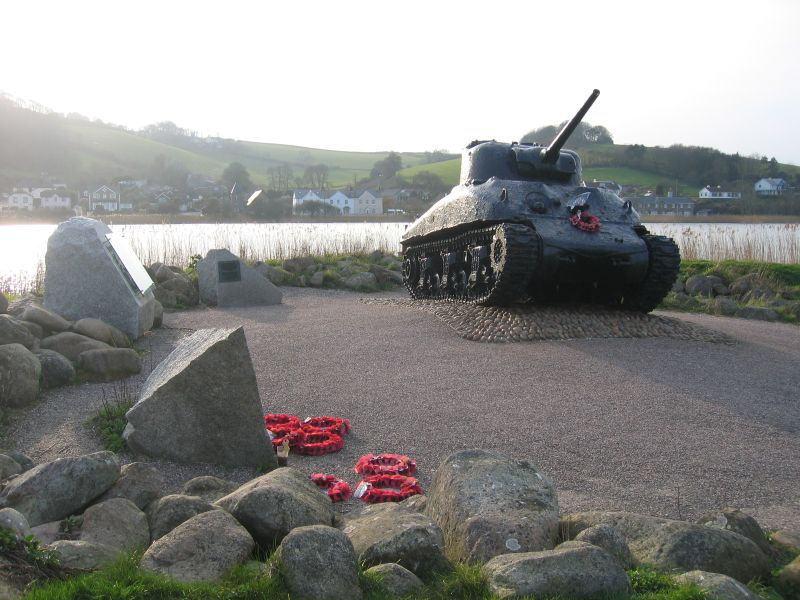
(226, 281)
(91, 272)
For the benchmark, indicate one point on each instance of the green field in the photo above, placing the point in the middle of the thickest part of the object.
(448, 170)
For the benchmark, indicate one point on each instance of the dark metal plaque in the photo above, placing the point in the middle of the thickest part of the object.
(229, 271)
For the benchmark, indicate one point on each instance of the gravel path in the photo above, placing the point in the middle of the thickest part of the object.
(660, 425)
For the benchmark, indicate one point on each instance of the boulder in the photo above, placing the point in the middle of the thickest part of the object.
(208, 487)
(717, 586)
(678, 287)
(101, 331)
(757, 313)
(19, 376)
(47, 533)
(165, 298)
(274, 274)
(72, 345)
(487, 504)
(788, 580)
(22, 460)
(747, 283)
(243, 286)
(83, 277)
(201, 405)
(141, 483)
(83, 555)
(158, 314)
(416, 503)
(676, 545)
(34, 329)
(62, 487)
(166, 513)
(396, 580)
(107, 364)
(723, 305)
(572, 570)
(361, 281)
(15, 521)
(8, 467)
(272, 505)
(117, 523)
(48, 320)
(57, 370)
(203, 548)
(610, 540)
(317, 279)
(17, 307)
(299, 264)
(785, 539)
(384, 533)
(701, 285)
(13, 331)
(318, 563)
(3, 303)
(186, 293)
(163, 273)
(386, 276)
(732, 519)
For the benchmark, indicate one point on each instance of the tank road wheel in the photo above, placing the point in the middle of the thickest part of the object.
(665, 261)
(513, 258)
(410, 274)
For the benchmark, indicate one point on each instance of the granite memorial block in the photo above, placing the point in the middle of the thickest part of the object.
(90, 272)
(225, 280)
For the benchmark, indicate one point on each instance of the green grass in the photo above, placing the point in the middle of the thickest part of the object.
(448, 170)
(787, 275)
(123, 580)
(110, 422)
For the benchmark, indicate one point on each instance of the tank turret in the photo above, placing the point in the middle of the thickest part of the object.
(521, 225)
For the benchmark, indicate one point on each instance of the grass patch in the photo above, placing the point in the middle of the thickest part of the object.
(787, 275)
(110, 422)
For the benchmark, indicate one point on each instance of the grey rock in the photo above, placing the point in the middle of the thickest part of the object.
(686, 301)
(141, 483)
(272, 505)
(19, 376)
(758, 294)
(47, 533)
(319, 563)
(163, 273)
(316, 279)
(82, 279)
(166, 513)
(274, 274)
(3, 303)
(110, 363)
(57, 370)
(752, 281)
(158, 314)
(72, 345)
(396, 580)
(788, 580)
(83, 555)
(725, 306)
(35, 329)
(18, 306)
(417, 502)
(60, 488)
(384, 275)
(700, 285)
(251, 289)
(117, 523)
(571, 570)
(47, 319)
(757, 313)
(610, 540)
(101, 331)
(676, 545)
(678, 287)
(720, 289)
(384, 533)
(732, 519)
(13, 331)
(186, 293)
(717, 586)
(201, 405)
(299, 264)
(487, 505)
(164, 297)
(360, 281)
(15, 521)
(8, 467)
(203, 548)
(786, 539)
(209, 488)
(22, 460)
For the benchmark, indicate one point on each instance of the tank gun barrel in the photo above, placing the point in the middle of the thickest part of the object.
(550, 154)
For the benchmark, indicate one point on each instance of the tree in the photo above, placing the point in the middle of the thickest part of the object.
(316, 176)
(280, 178)
(236, 174)
(388, 166)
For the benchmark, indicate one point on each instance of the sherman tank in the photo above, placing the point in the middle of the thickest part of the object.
(522, 226)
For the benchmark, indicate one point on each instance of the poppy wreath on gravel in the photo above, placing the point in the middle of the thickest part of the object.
(336, 425)
(317, 443)
(337, 489)
(279, 433)
(280, 420)
(387, 488)
(386, 464)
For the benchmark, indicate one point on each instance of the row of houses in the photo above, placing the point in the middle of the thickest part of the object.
(347, 202)
(54, 197)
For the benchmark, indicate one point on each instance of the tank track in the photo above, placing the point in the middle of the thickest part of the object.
(487, 266)
(665, 262)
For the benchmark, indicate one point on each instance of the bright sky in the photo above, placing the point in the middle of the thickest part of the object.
(414, 75)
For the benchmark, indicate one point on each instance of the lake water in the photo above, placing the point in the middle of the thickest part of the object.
(23, 247)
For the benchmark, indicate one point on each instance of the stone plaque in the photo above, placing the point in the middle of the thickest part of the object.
(229, 271)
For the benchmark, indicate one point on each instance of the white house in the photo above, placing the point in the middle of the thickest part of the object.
(20, 200)
(769, 187)
(368, 203)
(108, 199)
(347, 202)
(716, 192)
(50, 199)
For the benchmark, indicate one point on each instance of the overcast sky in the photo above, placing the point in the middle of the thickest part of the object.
(416, 75)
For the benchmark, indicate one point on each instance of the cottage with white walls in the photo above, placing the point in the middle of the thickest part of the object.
(20, 200)
(347, 202)
(770, 186)
(717, 193)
